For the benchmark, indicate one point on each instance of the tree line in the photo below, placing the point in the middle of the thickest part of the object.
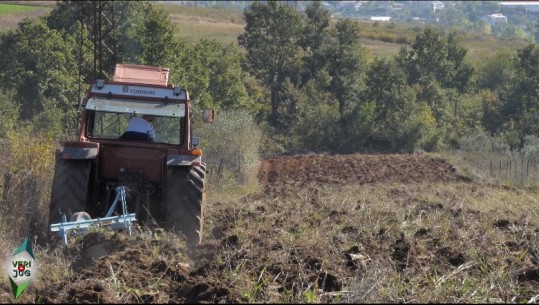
(303, 77)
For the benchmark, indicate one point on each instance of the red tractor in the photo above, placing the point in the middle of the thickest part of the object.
(164, 175)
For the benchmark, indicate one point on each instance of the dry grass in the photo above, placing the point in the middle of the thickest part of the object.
(453, 242)
(195, 28)
(497, 168)
(207, 13)
(458, 242)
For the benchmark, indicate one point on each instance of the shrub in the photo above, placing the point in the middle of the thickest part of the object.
(230, 142)
(531, 146)
(27, 178)
(481, 142)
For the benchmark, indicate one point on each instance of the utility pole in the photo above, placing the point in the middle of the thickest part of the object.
(97, 37)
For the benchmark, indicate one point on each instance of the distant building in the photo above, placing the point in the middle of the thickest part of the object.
(355, 5)
(380, 18)
(437, 5)
(495, 18)
(526, 6)
(397, 7)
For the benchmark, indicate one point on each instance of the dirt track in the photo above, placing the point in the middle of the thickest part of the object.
(276, 245)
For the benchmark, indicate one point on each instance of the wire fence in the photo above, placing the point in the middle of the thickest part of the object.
(515, 168)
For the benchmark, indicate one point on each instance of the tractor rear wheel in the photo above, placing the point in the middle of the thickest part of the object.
(185, 200)
(69, 188)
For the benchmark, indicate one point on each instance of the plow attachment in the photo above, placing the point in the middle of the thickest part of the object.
(80, 226)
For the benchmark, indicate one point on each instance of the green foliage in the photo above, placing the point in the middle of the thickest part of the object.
(360, 123)
(271, 34)
(507, 30)
(306, 79)
(39, 64)
(156, 38)
(9, 111)
(304, 83)
(395, 104)
(49, 123)
(459, 75)
(311, 116)
(492, 119)
(314, 40)
(433, 57)
(520, 94)
(213, 74)
(131, 28)
(346, 64)
(494, 71)
(426, 58)
(133, 21)
(437, 69)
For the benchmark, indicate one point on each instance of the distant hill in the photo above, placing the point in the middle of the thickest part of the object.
(224, 24)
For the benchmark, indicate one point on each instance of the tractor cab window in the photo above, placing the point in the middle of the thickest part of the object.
(111, 125)
(109, 118)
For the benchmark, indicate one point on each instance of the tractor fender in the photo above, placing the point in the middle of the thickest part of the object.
(80, 150)
(183, 160)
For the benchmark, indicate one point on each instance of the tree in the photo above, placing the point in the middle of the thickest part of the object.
(493, 72)
(427, 58)
(271, 40)
(436, 67)
(314, 39)
(129, 21)
(520, 94)
(346, 64)
(394, 102)
(40, 64)
(386, 86)
(157, 38)
(311, 119)
(433, 57)
(213, 75)
(460, 73)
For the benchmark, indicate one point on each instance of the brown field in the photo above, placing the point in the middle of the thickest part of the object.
(316, 229)
(321, 229)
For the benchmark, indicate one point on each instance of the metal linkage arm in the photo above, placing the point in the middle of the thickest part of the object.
(114, 222)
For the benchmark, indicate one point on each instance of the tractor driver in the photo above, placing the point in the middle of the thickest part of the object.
(140, 128)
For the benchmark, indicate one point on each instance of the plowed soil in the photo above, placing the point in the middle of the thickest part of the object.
(355, 169)
(345, 228)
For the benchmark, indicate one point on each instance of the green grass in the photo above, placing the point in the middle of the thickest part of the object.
(12, 14)
(16, 9)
